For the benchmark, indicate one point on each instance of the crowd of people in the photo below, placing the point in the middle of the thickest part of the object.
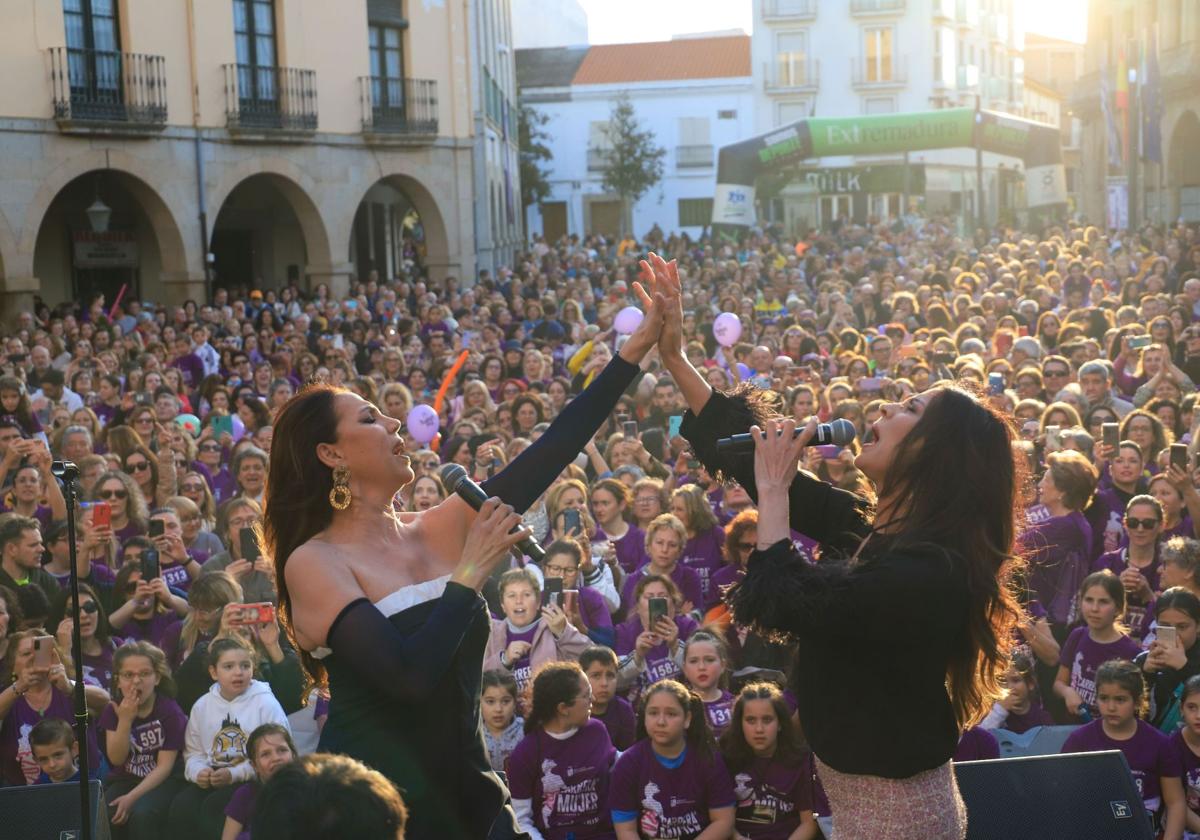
(620, 698)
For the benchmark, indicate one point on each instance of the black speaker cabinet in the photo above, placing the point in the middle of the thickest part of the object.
(50, 812)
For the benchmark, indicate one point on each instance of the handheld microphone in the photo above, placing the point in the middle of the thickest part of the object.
(457, 481)
(840, 432)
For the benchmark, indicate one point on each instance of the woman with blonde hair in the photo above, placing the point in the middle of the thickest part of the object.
(200, 542)
(194, 487)
(649, 500)
(124, 498)
(703, 550)
(255, 575)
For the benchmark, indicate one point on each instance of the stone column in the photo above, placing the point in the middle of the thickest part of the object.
(338, 277)
(16, 296)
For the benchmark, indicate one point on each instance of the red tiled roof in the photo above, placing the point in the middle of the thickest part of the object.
(688, 58)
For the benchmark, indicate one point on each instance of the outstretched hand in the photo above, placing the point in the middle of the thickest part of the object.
(662, 278)
(647, 334)
(777, 451)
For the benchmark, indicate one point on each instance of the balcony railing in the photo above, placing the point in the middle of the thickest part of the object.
(694, 157)
(403, 108)
(787, 74)
(598, 159)
(884, 74)
(876, 7)
(278, 99)
(102, 87)
(791, 9)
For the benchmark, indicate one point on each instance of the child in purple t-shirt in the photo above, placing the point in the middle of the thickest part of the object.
(1101, 603)
(269, 747)
(1021, 708)
(599, 664)
(705, 671)
(703, 552)
(672, 783)
(503, 728)
(1120, 691)
(559, 773)
(772, 774)
(649, 654)
(143, 737)
(1185, 753)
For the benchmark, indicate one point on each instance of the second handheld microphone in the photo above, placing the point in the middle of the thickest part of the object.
(840, 432)
(457, 481)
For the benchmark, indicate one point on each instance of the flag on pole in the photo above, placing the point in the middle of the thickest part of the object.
(1113, 138)
(1152, 103)
(1122, 100)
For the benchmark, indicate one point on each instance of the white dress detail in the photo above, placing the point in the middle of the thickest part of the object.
(401, 600)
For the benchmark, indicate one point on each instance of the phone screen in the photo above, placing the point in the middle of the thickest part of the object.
(157, 527)
(1112, 434)
(1179, 456)
(552, 591)
(673, 425)
(101, 515)
(150, 565)
(630, 428)
(571, 521)
(657, 610)
(249, 544)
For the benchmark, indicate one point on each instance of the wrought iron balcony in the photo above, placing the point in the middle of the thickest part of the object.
(270, 99)
(694, 157)
(790, 9)
(788, 74)
(405, 109)
(108, 90)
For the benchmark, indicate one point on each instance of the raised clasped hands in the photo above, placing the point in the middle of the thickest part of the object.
(661, 278)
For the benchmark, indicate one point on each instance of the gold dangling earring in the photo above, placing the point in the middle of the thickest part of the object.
(339, 496)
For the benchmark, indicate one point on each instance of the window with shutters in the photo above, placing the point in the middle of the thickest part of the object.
(695, 143)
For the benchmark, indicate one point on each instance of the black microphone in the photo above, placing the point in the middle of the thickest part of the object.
(457, 481)
(839, 432)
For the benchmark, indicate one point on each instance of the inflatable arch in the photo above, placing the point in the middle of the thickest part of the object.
(740, 165)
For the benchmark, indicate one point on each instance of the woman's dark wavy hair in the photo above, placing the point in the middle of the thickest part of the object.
(297, 495)
(554, 683)
(957, 468)
(738, 754)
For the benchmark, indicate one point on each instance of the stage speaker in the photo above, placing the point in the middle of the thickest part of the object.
(51, 812)
(1077, 796)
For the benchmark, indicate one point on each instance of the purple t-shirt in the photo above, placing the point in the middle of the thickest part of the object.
(1148, 753)
(522, 669)
(149, 630)
(241, 807)
(97, 670)
(619, 720)
(1058, 551)
(17, 765)
(594, 609)
(1187, 768)
(660, 665)
(726, 576)
(567, 781)
(977, 744)
(1082, 655)
(703, 554)
(176, 576)
(719, 713)
(668, 801)
(1036, 716)
(631, 548)
(163, 729)
(685, 579)
(1137, 613)
(771, 796)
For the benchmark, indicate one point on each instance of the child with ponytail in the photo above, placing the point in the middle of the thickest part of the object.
(672, 783)
(558, 775)
(1120, 697)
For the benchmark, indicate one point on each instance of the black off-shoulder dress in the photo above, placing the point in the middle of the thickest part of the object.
(405, 672)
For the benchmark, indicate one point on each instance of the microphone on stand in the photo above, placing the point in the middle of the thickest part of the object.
(457, 481)
(840, 432)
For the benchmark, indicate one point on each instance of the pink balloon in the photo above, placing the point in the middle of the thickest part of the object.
(239, 428)
(727, 329)
(628, 319)
(422, 423)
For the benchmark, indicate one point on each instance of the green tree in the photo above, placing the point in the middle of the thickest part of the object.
(532, 151)
(635, 161)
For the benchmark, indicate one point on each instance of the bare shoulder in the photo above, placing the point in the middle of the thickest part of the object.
(320, 584)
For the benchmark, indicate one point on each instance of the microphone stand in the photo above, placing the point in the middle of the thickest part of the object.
(67, 473)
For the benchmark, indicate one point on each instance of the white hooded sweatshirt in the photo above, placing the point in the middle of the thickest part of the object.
(218, 729)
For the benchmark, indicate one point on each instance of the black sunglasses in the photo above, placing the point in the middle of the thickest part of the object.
(1134, 524)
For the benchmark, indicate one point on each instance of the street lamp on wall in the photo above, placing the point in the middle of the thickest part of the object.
(98, 213)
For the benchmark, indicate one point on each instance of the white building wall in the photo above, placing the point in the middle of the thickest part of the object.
(944, 53)
(659, 107)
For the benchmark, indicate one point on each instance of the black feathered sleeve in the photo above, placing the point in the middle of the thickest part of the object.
(835, 518)
(530, 473)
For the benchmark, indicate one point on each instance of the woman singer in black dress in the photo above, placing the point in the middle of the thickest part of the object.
(387, 605)
(904, 624)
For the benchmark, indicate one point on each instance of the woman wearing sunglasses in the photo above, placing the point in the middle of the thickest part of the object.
(98, 643)
(1138, 564)
(125, 502)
